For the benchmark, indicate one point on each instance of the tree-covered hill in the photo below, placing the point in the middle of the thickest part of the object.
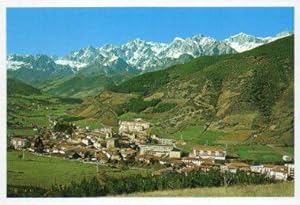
(18, 87)
(247, 95)
(78, 86)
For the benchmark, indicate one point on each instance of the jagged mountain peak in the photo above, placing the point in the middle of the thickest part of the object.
(178, 39)
(148, 55)
(243, 37)
(284, 34)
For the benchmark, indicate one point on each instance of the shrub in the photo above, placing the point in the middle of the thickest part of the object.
(164, 107)
(136, 105)
(129, 184)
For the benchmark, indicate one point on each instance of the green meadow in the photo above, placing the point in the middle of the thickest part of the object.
(44, 171)
(196, 135)
(260, 153)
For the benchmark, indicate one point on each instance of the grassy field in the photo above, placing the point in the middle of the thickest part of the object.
(191, 136)
(44, 171)
(194, 135)
(259, 152)
(284, 189)
(262, 153)
(35, 110)
(28, 110)
(91, 123)
(21, 131)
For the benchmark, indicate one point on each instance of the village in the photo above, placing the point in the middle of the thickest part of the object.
(133, 143)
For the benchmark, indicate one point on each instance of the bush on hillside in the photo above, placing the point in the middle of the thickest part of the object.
(136, 105)
(164, 107)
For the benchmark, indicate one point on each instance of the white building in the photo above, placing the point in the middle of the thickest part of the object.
(110, 143)
(215, 152)
(86, 141)
(196, 160)
(155, 150)
(291, 169)
(175, 154)
(279, 173)
(97, 145)
(257, 168)
(20, 143)
(137, 126)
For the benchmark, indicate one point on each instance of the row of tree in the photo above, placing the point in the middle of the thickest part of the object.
(130, 184)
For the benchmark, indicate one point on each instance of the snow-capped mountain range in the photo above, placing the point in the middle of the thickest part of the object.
(147, 56)
(139, 55)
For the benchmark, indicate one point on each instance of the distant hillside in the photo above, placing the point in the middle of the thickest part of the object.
(36, 70)
(17, 87)
(78, 86)
(248, 95)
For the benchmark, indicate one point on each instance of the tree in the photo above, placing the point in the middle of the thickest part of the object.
(227, 179)
(38, 145)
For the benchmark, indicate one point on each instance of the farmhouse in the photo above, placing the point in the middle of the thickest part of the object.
(279, 172)
(194, 160)
(155, 150)
(291, 169)
(86, 141)
(163, 141)
(233, 167)
(176, 163)
(101, 157)
(110, 143)
(147, 158)
(215, 152)
(97, 145)
(267, 168)
(127, 153)
(20, 143)
(175, 154)
(106, 132)
(73, 154)
(257, 168)
(114, 154)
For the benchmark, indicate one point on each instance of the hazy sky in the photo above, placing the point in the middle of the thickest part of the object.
(57, 31)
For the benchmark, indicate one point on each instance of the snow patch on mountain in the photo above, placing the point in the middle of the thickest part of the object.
(73, 64)
(243, 42)
(15, 65)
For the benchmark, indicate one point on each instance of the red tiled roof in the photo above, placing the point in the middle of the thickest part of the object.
(279, 168)
(238, 165)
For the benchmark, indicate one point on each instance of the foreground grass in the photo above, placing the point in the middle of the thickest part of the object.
(42, 171)
(284, 189)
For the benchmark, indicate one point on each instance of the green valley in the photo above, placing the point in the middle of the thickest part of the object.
(229, 99)
(241, 104)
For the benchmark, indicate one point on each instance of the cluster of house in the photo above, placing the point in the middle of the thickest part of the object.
(134, 143)
(278, 172)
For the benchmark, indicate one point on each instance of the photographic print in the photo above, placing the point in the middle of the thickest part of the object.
(150, 101)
